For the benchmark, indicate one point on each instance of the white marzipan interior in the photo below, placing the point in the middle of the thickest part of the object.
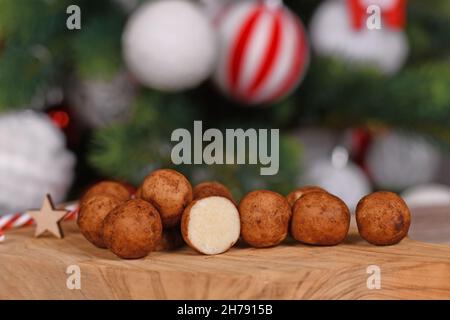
(214, 225)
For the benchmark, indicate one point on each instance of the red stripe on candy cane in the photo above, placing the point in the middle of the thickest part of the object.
(23, 220)
(17, 220)
(72, 215)
(11, 220)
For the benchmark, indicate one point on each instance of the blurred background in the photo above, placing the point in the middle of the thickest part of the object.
(94, 91)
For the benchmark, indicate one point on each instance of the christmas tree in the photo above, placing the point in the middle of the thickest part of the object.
(39, 54)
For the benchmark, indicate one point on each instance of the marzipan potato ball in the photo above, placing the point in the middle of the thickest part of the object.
(383, 218)
(170, 192)
(211, 188)
(264, 218)
(320, 218)
(133, 229)
(91, 215)
(299, 192)
(113, 188)
(211, 225)
(171, 239)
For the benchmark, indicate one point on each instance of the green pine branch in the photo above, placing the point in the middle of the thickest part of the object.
(131, 150)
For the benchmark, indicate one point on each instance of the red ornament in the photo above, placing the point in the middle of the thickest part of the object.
(361, 139)
(392, 12)
(264, 51)
(60, 118)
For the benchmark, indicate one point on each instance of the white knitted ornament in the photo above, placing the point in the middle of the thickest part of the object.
(33, 161)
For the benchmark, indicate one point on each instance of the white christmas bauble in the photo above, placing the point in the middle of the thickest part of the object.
(339, 176)
(170, 45)
(398, 160)
(33, 161)
(98, 103)
(264, 51)
(348, 183)
(427, 195)
(317, 143)
(332, 34)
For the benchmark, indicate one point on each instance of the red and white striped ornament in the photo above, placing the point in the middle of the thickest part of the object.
(264, 51)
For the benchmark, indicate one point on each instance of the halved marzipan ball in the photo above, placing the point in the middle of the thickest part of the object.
(133, 229)
(320, 218)
(264, 218)
(91, 215)
(112, 188)
(171, 239)
(383, 218)
(211, 225)
(299, 192)
(170, 192)
(211, 188)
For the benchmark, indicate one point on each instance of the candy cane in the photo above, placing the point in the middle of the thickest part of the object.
(18, 220)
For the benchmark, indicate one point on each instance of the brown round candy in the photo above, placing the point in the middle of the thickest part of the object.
(211, 189)
(91, 215)
(170, 192)
(264, 218)
(320, 218)
(299, 192)
(133, 229)
(112, 188)
(383, 218)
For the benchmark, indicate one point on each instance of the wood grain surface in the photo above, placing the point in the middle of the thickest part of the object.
(431, 224)
(33, 268)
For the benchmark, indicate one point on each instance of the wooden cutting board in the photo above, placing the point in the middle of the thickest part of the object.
(36, 269)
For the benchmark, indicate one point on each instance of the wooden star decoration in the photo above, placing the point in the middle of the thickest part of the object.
(47, 219)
